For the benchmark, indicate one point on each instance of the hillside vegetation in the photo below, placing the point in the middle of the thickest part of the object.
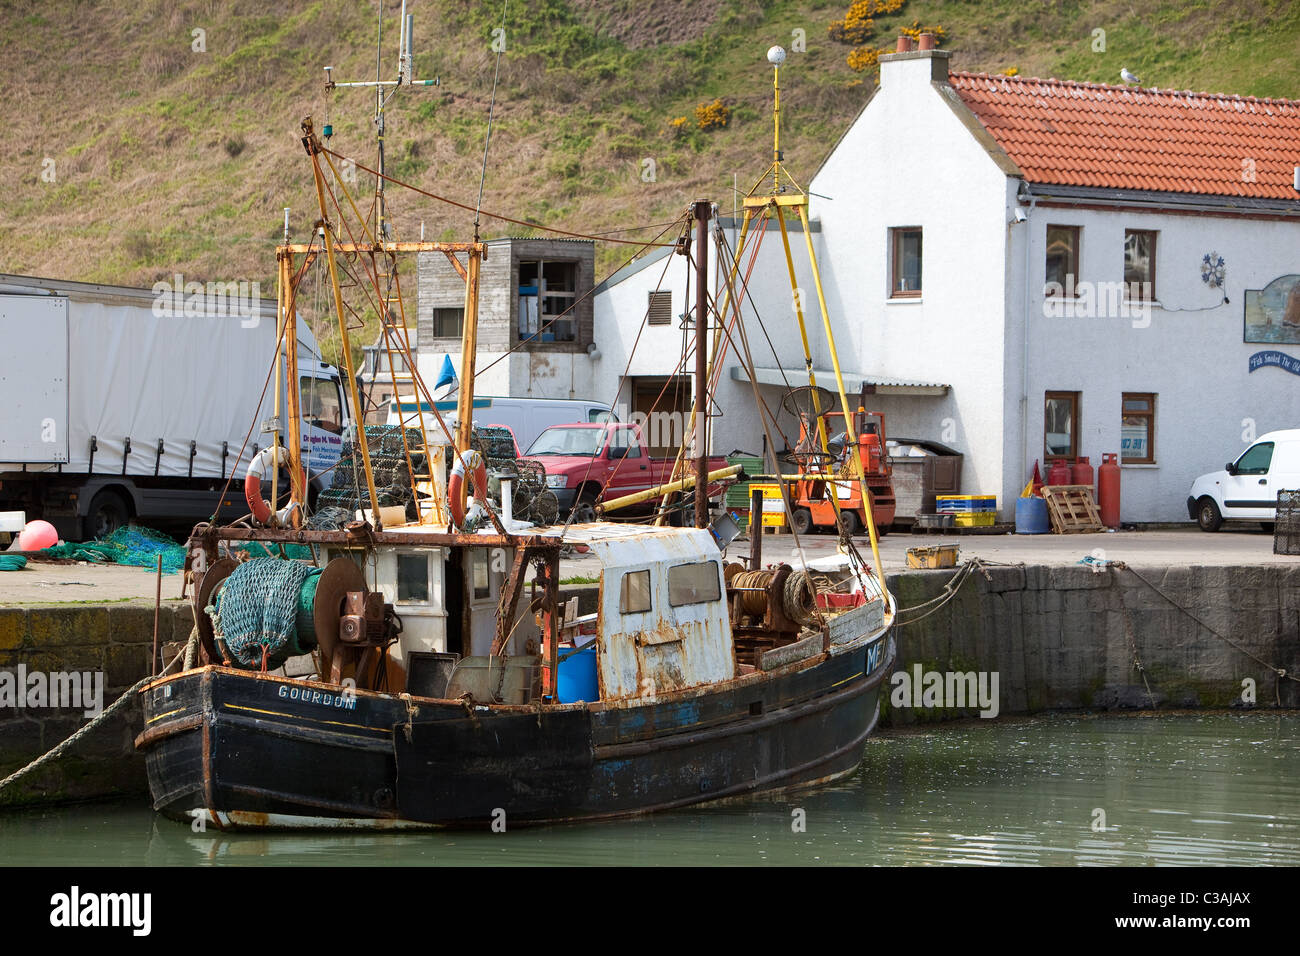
(134, 156)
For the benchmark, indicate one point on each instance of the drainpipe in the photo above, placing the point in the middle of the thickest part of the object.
(1024, 358)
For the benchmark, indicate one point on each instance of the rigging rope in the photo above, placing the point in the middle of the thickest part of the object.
(493, 215)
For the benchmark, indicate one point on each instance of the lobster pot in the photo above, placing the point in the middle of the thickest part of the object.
(1286, 531)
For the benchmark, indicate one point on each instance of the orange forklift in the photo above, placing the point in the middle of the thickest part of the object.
(822, 475)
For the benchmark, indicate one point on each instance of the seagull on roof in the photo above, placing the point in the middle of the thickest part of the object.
(1128, 77)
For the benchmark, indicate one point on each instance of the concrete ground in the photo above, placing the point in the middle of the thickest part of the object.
(41, 583)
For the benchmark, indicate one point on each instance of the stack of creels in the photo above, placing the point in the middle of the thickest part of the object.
(389, 468)
(530, 499)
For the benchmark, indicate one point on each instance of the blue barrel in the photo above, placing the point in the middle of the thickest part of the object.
(1031, 516)
(577, 678)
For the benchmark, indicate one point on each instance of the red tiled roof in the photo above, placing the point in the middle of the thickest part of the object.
(1089, 134)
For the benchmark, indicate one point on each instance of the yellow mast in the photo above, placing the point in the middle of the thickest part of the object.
(792, 197)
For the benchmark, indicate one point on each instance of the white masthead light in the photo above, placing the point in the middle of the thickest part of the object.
(776, 56)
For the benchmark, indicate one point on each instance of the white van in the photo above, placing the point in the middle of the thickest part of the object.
(1246, 490)
(526, 417)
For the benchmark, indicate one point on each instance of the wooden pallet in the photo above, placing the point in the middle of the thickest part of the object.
(1072, 509)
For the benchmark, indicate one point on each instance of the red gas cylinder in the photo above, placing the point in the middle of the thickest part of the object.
(1108, 490)
(1082, 473)
(1059, 473)
(871, 458)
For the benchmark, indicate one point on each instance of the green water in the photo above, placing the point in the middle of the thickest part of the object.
(1175, 789)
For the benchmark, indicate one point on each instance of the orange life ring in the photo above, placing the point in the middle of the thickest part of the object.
(257, 468)
(466, 462)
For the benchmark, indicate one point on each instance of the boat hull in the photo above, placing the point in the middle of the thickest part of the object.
(242, 749)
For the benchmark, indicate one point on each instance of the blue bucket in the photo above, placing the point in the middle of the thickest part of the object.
(1031, 516)
(577, 678)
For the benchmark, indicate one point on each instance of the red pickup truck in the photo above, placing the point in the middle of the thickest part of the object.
(587, 463)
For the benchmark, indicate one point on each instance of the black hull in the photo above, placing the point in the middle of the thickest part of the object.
(244, 749)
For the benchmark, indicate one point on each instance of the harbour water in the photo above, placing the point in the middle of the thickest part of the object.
(1172, 789)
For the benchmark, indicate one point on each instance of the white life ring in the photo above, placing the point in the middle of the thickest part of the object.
(471, 463)
(259, 467)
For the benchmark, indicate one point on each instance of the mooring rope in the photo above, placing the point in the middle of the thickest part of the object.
(59, 749)
(1280, 672)
(968, 567)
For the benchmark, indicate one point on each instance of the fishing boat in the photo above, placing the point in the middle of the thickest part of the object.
(452, 682)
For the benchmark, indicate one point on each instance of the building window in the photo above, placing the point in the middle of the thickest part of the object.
(1138, 429)
(1062, 260)
(661, 308)
(448, 323)
(548, 292)
(1140, 264)
(905, 262)
(1061, 425)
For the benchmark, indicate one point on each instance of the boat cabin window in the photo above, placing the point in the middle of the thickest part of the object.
(481, 582)
(635, 596)
(412, 578)
(693, 583)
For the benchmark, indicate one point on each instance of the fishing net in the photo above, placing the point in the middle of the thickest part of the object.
(255, 611)
(133, 546)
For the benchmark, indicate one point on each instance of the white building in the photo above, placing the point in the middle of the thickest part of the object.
(977, 244)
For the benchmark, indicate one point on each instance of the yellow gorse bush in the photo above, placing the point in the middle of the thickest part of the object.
(712, 115)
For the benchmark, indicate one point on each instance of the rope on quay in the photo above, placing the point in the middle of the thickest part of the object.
(60, 749)
(963, 573)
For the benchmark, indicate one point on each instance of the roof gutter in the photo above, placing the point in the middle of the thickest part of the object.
(1157, 201)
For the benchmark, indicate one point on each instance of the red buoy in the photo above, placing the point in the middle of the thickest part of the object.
(1082, 473)
(1108, 490)
(1059, 473)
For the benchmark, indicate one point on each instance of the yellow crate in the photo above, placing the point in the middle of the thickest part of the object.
(979, 519)
(939, 556)
(773, 505)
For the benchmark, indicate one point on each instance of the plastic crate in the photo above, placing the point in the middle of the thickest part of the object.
(960, 504)
(939, 556)
(978, 519)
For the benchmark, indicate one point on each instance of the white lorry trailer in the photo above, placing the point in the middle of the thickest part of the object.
(119, 404)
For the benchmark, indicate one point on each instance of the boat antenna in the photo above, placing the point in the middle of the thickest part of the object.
(405, 70)
(701, 212)
(499, 41)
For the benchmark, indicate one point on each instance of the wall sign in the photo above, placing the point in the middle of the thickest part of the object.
(1287, 363)
(1273, 312)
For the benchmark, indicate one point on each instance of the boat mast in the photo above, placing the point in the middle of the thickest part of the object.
(784, 198)
(701, 211)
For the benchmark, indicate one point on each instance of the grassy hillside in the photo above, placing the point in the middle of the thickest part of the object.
(165, 160)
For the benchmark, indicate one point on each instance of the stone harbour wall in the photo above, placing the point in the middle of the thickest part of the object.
(113, 640)
(1072, 638)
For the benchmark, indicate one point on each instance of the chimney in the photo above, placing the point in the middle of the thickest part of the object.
(909, 58)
